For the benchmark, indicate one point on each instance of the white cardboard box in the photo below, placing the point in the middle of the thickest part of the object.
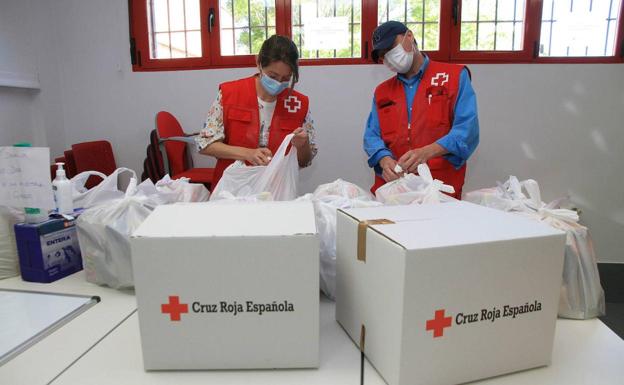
(245, 278)
(448, 293)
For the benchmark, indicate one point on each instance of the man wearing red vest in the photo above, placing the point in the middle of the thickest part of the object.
(427, 113)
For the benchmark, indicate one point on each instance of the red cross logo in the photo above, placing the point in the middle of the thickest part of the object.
(435, 81)
(292, 104)
(174, 308)
(438, 323)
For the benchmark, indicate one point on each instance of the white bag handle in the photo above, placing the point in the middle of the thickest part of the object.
(564, 215)
(533, 192)
(425, 173)
(111, 182)
(78, 181)
(280, 154)
(106, 190)
(551, 210)
(514, 190)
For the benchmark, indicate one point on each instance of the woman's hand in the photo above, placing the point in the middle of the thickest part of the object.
(258, 156)
(300, 139)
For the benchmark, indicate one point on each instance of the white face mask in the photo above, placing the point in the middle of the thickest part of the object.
(398, 59)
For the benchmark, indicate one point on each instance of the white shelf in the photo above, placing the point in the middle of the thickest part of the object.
(19, 80)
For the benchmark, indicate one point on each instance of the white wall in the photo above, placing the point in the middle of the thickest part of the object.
(16, 61)
(28, 42)
(559, 124)
(15, 115)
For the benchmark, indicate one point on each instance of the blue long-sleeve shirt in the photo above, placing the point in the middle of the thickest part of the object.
(461, 140)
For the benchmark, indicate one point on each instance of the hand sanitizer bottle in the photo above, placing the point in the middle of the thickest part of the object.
(62, 191)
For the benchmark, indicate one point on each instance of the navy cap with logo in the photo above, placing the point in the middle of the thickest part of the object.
(384, 35)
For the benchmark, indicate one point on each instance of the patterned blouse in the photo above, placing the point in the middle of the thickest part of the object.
(213, 130)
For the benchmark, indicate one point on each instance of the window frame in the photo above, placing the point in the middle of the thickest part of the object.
(618, 56)
(531, 16)
(448, 45)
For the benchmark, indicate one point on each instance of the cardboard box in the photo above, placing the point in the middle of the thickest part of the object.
(228, 286)
(48, 251)
(447, 293)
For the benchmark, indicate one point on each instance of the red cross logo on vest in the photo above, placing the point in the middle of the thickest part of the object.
(443, 76)
(438, 323)
(292, 104)
(174, 308)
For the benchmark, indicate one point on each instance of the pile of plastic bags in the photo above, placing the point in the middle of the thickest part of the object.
(278, 181)
(581, 296)
(111, 215)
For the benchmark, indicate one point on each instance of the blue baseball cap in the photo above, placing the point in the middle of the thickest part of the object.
(384, 35)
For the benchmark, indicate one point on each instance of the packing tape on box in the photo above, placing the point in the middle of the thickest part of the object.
(362, 338)
(362, 226)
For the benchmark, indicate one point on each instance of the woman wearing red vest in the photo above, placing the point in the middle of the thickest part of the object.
(251, 117)
(426, 113)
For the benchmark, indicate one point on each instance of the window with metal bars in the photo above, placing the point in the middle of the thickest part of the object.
(245, 25)
(327, 28)
(579, 28)
(492, 25)
(190, 34)
(174, 29)
(422, 17)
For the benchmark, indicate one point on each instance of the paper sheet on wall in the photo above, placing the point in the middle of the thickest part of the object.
(326, 33)
(25, 177)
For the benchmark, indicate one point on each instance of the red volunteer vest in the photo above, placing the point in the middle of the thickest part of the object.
(241, 118)
(432, 118)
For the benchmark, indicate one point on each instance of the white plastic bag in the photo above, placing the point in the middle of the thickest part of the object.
(104, 230)
(228, 197)
(104, 233)
(582, 296)
(342, 188)
(415, 189)
(9, 262)
(512, 195)
(106, 190)
(181, 190)
(279, 177)
(327, 198)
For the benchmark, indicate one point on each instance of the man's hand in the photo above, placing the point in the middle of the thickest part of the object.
(411, 159)
(258, 156)
(300, 139)
(387, 165)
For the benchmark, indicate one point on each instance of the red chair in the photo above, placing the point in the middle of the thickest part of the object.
(178, 157)
(93, 156)
(70, 164)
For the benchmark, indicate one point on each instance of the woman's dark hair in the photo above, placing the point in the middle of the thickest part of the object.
(280, 48)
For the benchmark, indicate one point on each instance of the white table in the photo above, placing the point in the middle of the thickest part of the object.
(104, 346)
(585, 352)
(43, 361)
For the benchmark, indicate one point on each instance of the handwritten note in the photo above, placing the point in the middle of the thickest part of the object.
(25, 177)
